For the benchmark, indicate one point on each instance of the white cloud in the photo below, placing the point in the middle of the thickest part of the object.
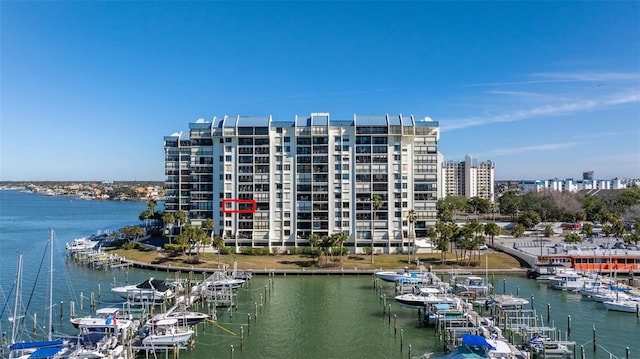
(536, 148)
(560, 77)
(588, 76)
(588, 103)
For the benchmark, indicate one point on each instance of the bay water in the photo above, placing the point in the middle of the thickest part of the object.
(294, 316)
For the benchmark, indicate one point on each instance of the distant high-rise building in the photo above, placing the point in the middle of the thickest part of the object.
(468, 178)
(587, 176)
(285, 181)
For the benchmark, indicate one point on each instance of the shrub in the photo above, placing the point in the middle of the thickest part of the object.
(131, 245)
(258, 251)
(225, 250)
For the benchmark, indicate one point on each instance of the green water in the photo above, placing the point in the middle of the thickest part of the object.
(342, 317)
(313, 317)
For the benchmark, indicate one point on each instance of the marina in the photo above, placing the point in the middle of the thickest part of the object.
(306, 315)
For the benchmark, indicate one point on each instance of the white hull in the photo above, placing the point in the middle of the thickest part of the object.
(391, 276)
(628, 306)
(168, 339)
(506, 302)
(149, 290)
(131, 292)
(421, 300)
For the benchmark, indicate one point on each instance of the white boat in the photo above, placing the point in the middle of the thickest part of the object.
(165, 333)
(185, 318)
(406, 275)
(607, 295)
(96, 346)
(478, 347)
(622, 305)
(474, 284)
(426, 297)
(505, 302)
(83, 244)
(224, 283)
(571, 281)
(549, 348)
(105, 319)
(153, 290)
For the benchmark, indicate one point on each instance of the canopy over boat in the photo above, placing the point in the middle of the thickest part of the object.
(470, 339)
(31, 345)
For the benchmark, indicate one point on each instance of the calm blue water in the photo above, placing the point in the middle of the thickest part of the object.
(302, 317)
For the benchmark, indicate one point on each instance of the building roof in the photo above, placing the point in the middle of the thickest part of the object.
(371, 120)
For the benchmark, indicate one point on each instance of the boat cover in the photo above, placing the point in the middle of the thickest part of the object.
(48, 352)
(156, 284)
(470, 339)
(30, 345)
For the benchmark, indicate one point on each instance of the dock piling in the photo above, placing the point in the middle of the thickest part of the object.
(548, 312)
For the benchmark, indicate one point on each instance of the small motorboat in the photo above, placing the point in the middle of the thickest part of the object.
(165, 332)
(151, 290)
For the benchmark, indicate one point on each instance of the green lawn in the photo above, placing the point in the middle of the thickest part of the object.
(494, 260)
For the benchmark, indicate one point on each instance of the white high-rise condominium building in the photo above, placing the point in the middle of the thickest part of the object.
(311, 175)
(468, 178)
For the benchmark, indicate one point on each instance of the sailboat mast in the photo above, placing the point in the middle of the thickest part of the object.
(50, 284)
(18, 291)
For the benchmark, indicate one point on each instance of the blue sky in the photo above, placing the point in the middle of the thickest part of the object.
(545, 89)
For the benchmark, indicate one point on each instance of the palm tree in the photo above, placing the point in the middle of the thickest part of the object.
(169, 219)
(412, 216)
(492, 229)
(208, 226)
(181, 217)
(200, 239)
(339, 239)
(518, 230)
(218, 243)
(314, 240)
(326, 242)
(144, 217)
(151, 205)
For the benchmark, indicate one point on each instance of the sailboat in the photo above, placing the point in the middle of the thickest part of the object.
(35, 349)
